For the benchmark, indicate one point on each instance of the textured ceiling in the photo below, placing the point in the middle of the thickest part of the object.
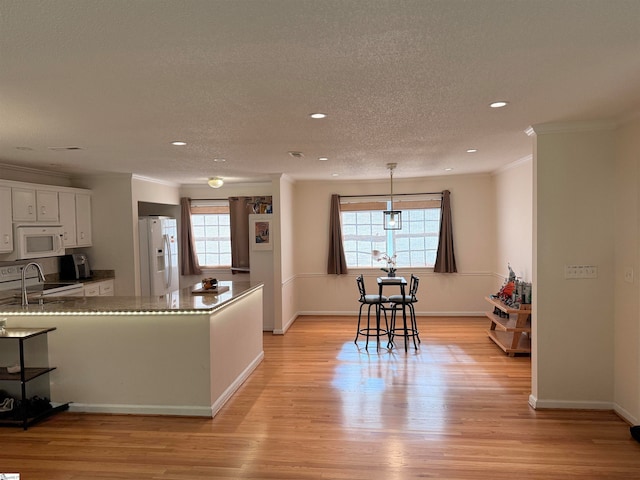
(401, 81)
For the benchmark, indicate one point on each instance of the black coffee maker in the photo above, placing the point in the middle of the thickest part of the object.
(74, 267)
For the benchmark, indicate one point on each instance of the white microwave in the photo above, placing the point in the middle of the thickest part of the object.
(36, 241)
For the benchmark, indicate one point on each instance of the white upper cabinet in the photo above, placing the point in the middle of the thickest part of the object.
(31, 205)
(75, 217)
(22, 202)
(83, 219)
(24, 205)
(67, 201)
(6, 233)
(47, 203)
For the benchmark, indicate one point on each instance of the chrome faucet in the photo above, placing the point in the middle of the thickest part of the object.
(25, 301)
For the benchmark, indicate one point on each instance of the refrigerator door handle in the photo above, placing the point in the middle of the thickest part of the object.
(167, 255)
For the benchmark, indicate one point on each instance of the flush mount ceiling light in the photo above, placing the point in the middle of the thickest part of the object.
(318, 115)
(215, 182)
(392, 218)
(499, 104)
(178, 143)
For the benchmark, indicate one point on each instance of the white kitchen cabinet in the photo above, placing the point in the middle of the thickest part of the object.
(83, 219)
(6, 233)
(47, 203)
(75, 217)
(67, 202)
(24, 204)
(103, 288)
(31, 205)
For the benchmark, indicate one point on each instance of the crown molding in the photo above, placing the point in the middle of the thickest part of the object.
(154, 180)
(512, 165)
(32, 171)
(571, 127)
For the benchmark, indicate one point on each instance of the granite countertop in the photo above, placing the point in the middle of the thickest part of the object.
(179, 301)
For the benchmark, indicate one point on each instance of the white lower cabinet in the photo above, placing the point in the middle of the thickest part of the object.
(102, 288)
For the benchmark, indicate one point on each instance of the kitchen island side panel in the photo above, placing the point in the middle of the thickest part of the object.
(236, 346)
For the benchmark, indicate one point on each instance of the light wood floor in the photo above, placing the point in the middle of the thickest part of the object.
(320, 407)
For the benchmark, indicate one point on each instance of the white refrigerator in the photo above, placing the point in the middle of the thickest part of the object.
(158, 255)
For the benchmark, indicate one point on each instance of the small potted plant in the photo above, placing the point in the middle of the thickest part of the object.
(391, 262)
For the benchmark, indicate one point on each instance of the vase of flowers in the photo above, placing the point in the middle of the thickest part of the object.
(390, 269)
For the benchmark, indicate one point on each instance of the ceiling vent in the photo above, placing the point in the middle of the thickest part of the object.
(57, 149)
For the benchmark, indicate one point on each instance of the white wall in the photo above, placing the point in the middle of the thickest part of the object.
(113, 229)
(286, 302)
(627, 246)
(474, 228)
(514, 220)
(573, 319)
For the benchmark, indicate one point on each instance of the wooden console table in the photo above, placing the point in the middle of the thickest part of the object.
(513, 332)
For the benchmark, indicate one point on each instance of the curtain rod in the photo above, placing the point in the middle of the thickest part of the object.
(395, 195)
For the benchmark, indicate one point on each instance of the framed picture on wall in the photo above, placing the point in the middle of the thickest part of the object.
(260, 231)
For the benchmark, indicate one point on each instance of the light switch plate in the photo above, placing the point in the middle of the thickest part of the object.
(573, 272)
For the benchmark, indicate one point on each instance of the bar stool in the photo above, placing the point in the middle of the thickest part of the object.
(401, 302)
(371, 300)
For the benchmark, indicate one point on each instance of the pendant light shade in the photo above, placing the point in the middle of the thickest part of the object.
(392, 218)
(215, 182)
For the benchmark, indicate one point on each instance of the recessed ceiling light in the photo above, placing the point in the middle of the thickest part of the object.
(472, 150)
(318, 115)
(323, 159)
(448, 169)
(335, 174)
(499, 104)
(295, 154)
(178, 143)
(219, 159)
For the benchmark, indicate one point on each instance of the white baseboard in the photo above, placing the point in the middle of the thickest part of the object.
(350, 313)
(626, 416)
(177, 410)
(538, 404)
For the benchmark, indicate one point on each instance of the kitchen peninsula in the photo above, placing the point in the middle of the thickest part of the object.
(175, 354)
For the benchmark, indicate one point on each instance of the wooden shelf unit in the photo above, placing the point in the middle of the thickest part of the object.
(513, 333)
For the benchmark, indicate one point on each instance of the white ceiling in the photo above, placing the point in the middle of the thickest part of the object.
(401, 81)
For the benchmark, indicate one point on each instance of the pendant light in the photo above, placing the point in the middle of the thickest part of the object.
(392, 218)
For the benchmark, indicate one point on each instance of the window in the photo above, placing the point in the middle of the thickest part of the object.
(415, 245)
(210, 221)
